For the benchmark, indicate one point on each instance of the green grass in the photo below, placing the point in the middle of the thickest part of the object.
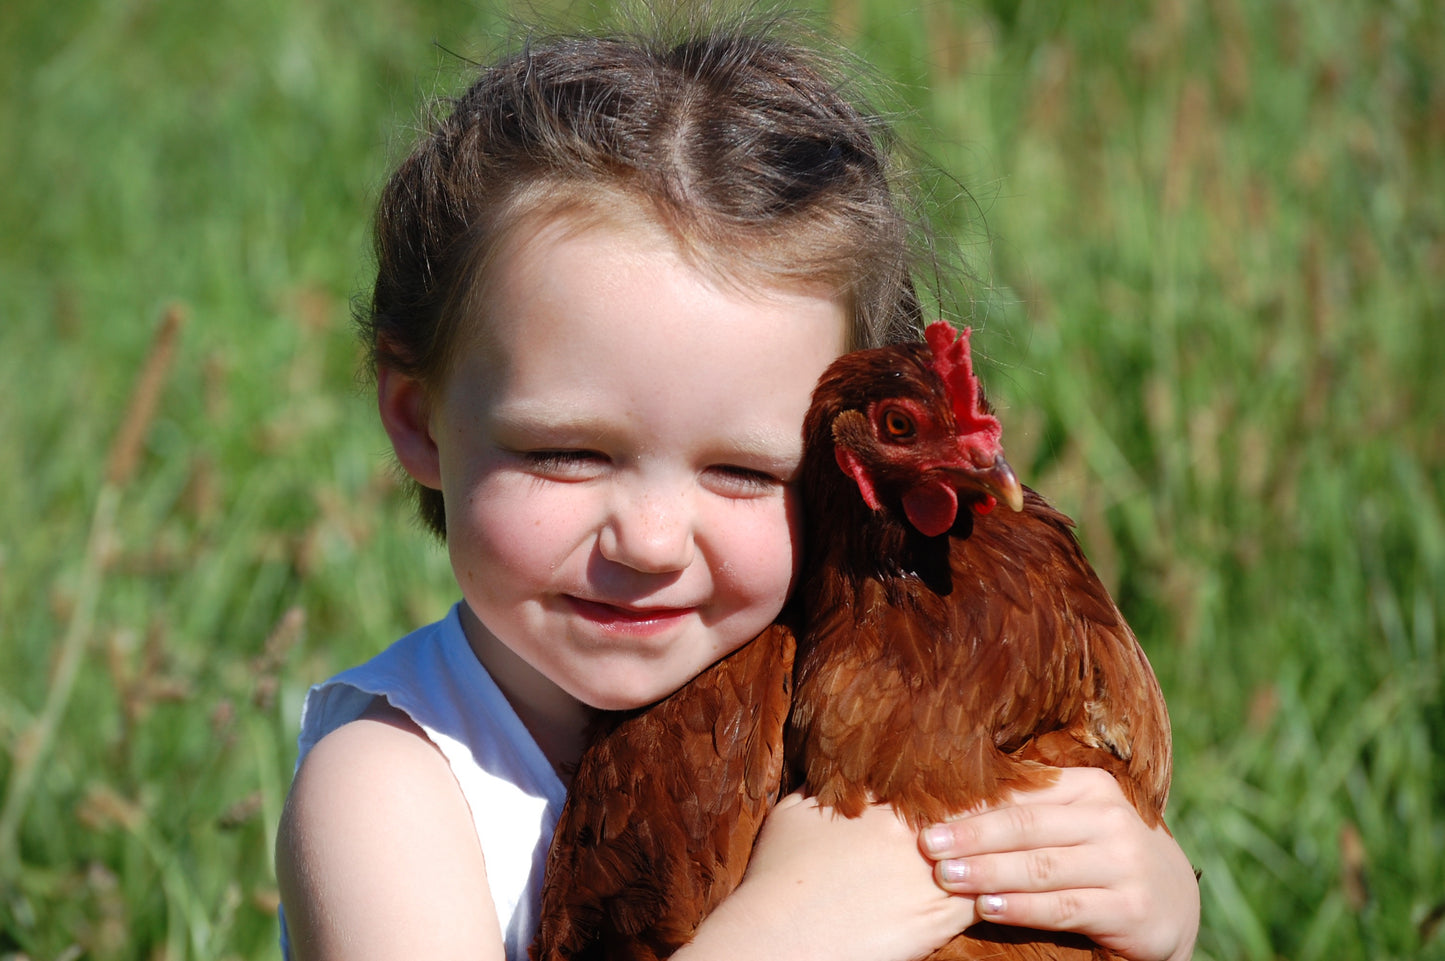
(1211, 238)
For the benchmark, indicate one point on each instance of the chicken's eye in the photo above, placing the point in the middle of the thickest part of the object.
(897, 425)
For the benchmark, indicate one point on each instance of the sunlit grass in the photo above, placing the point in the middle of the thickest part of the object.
(1208, 241)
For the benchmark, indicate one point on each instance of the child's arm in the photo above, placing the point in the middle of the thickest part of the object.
(376, 856)
(827, 887)
(1074, 856)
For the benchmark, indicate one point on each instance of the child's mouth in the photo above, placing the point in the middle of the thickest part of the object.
(629, 619)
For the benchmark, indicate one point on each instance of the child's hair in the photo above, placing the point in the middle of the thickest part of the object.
(738, 141)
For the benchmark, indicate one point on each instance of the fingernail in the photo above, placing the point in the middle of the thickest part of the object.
(937, 838)
(990, 904)
(955, 870)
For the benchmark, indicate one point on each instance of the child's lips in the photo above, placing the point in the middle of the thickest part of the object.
(621, 617)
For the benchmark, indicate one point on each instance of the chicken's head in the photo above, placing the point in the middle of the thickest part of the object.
(909, 424)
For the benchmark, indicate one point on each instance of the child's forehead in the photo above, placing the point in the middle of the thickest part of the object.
(732, 255)
(539, 244)
(571, 294)
(559, 250)
(535, 238)
(625, 227)
(622, 222)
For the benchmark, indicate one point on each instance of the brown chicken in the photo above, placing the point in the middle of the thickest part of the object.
(663, 810)
(951, 652)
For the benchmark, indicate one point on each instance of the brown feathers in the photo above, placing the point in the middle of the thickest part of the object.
(934, 702)
(938, 673)
(664, 808)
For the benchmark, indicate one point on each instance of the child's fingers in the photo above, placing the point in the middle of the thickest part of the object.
(1050, 817)
(1034, 870)
(1027, 827)
(1074, 909)
(1074, 857)
(1130, 922)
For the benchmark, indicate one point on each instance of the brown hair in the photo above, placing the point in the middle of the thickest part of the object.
(739, 141)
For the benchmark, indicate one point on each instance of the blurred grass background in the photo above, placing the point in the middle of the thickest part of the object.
(1213, 240)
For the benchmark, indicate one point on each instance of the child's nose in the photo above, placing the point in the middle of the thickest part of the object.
(651, 531)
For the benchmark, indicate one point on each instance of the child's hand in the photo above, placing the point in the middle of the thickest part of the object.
(1074, 857)
(823, 886)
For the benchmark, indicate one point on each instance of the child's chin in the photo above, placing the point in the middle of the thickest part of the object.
(624, 701)
(632, 696)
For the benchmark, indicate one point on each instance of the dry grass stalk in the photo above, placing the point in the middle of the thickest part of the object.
(125, 450)
(124, 455)
(1352, 868)
(267, 666)
(1189, 123)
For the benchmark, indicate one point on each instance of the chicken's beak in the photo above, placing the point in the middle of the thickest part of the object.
(997, 480)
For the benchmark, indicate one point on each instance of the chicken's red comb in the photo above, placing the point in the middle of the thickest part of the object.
(978, 430)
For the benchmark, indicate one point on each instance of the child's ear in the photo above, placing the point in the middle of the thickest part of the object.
(406, 415)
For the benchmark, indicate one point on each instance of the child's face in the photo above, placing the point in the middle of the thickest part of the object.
(619, 461)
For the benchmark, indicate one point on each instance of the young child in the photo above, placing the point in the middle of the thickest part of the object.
(607, 283)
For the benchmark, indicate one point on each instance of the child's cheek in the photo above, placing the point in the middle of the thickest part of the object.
(763, 564)
(517, 521)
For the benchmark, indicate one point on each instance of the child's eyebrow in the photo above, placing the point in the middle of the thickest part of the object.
(783, 448)
(548, 418)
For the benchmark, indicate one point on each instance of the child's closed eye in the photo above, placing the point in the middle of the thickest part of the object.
(564, 464)
(735, 481)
